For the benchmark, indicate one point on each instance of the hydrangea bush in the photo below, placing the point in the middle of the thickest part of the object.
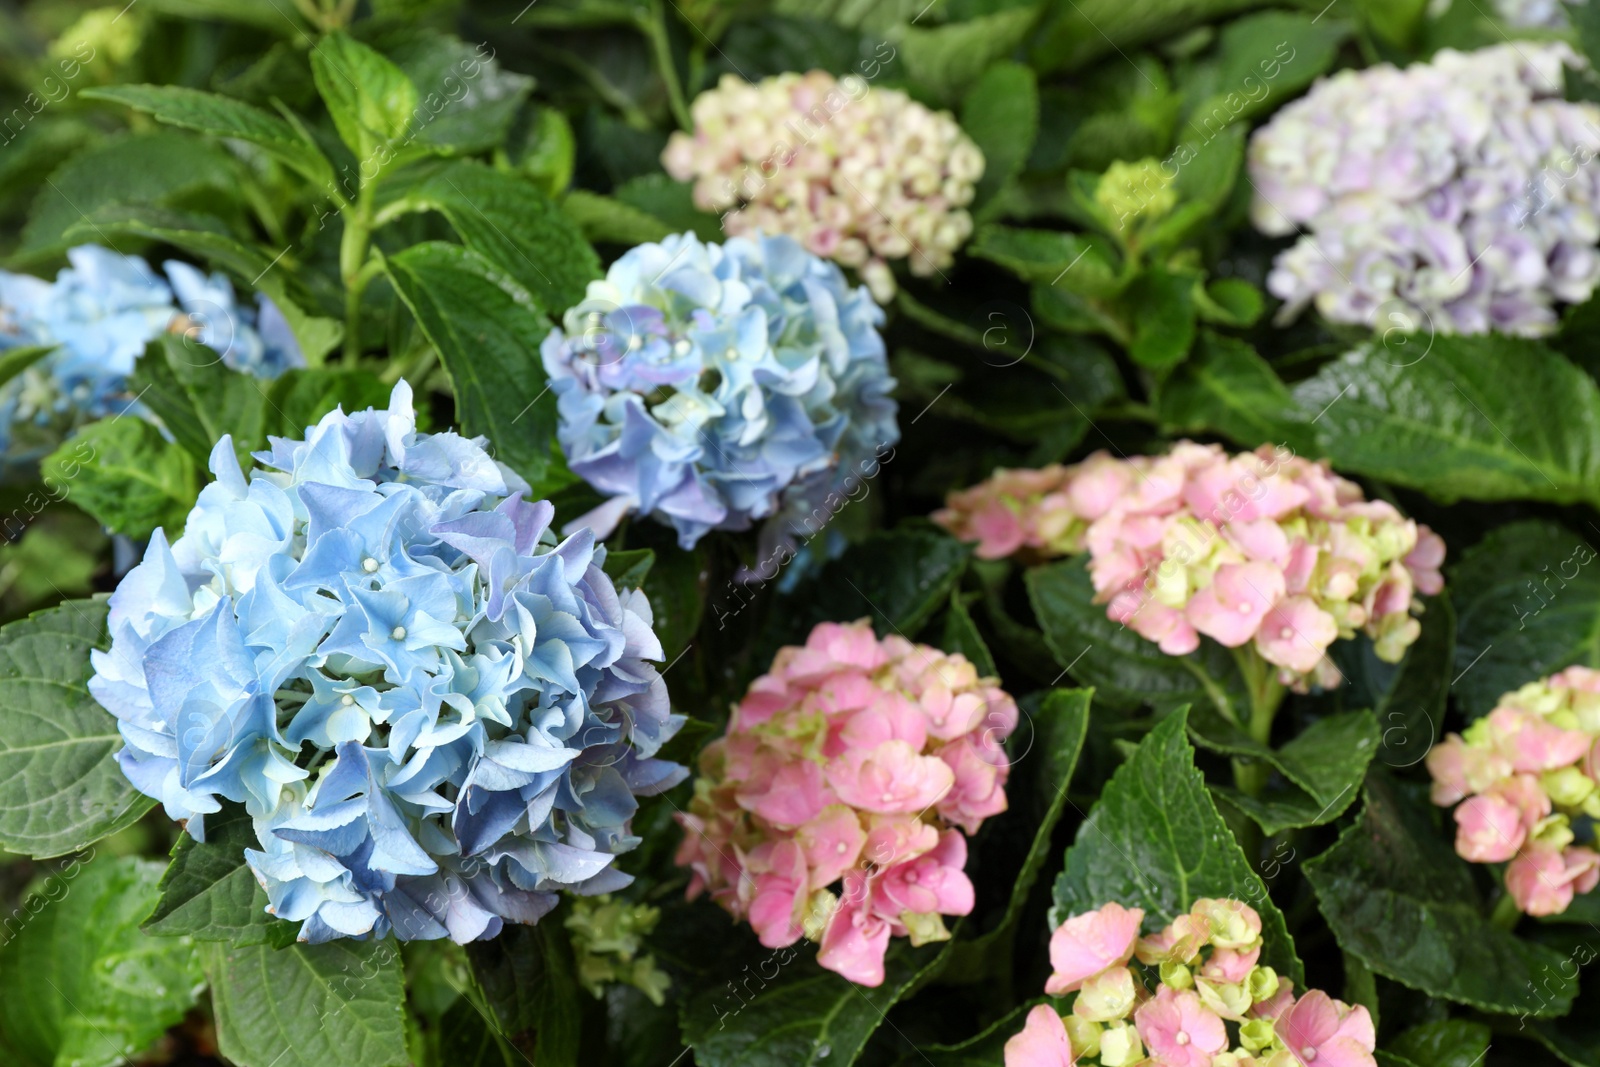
(712, 534)
(436, 714)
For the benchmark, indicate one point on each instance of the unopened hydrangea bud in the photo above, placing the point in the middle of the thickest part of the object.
(1176, 975)
(1084, 1034)
(1228, 999)
(1256, 1034)
(1107, 996)
(1263, 983)
(1129, 192)
(1120, 1045)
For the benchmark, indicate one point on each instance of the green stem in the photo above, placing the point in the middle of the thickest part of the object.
(655, 29)
(1265, 695)
(1506, 913)
(354, 268)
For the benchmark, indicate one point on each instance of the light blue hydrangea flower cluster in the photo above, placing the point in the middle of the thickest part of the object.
(435, 714)
(716, 385)
(102, 311)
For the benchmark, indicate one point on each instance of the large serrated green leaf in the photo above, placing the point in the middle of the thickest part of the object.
(60, 786)
(1527, 604)
(80, 986)
(1323, 767)
(222, 116)
(1001, 115)
(1125, 669)
(309, 1005)
(1480, 418)
(1226, 388)
(208, 892)
(467, 101)
(529, 979)
(1399, 899)
(126, 475)
(487, 330)
(507, 220)
(897, 578)
(372, 101)
(199, 399)
(986, 1049)
(947, 59)
(1155, 841)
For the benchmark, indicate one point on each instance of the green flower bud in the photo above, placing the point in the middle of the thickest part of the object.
(1262, 983)
(819, 909)
(1568, 787)
(1256, 1034)
(1106, 996)
(1084, 1035)
(1132, 191)
(925, 927)
(1120, 1045)
(1176, 975)
(1228, 999)
(1553, 830)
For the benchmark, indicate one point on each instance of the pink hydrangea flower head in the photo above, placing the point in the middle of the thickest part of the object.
(855, 762)
(1087, 944)
(1043, 1042)
(1322, 1032)
(1262, 549)
(855, 173)
(1178, 1030)
(1521, 774)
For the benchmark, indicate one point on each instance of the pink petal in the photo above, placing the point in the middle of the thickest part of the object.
(1042, 1043)
(1239, 597)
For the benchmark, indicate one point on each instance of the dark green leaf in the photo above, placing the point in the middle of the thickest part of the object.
(804, 1016)
(1079, 264)
(371, 100)
(1154, 840)
(1125, 669)
(1528, 604)
(961, 635)
(676, 589)
(603, 218)
(79, 983)
(199, 399)
(629, 569)
(1485, 418)
(1261, 61)
(126, 475)
(1323, 766)
(530, 980)
(465, 101)
(507, 220)
(222, 116)
(1452, 1043)
(1227, 389)
(987, 1049)
(487, 330)
(1086, 29)
(308, 1005)
(60, 786)
(208, 892)
(1411, 708)
(163, 167)
(299, 398)
(1163, 311)
(947, 59)
(1001, 115)
(16, 360)
(1230, 302)
(672, 202)
(899, 578)
(1399, 899)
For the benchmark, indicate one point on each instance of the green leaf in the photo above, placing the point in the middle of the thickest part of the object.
(1076, 263)
(961, 635)
(309, 1005)
(371, 100)
(208, 892)
(629, 569)
(164, 167)
(1226, 388)
(1324, 767)
(898, 577)
(487, 330)
(60, 786)
(1481, 418)
(126, 475)
(529, 978)
(16, 360)
(1155, 841)
(603, 218)
(1163, 311)
(1261, 61)
(546, 151)
(986, 1049)
(672, 202)
(1230, 302)
(199, 399)
(466, 102)
(1411, 708)
(1125, 669)
(1527, 604)
(298, 399)
(1399, 899)
(804, 1016)
(1450, 1043)
(223, 116)
(1044, 754)
(1575, 1038)
(947, 59)
(1087, 29)
(1001, 115)
(676, 590)
(80, 985)
(507, 220)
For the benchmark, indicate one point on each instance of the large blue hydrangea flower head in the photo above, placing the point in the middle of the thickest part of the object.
(714, 386)
(435, 712)
(101, 311)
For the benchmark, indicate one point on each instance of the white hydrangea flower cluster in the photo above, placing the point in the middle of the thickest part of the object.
(855, 174)
(1535, 14)
(1457, 194)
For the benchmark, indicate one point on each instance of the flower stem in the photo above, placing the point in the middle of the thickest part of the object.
(1506, 913)
(654, 27)
(1265, 695)
(353, 267)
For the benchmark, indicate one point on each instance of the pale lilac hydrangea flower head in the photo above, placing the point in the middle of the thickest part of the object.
(854, 762)
(1521, 775)
(435, 713)
(1451, 196)
(855, 174)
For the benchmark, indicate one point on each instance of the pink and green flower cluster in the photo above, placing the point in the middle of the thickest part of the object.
(1198, 997)
(857, 763)
(1521, 774)
(1262, 549)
